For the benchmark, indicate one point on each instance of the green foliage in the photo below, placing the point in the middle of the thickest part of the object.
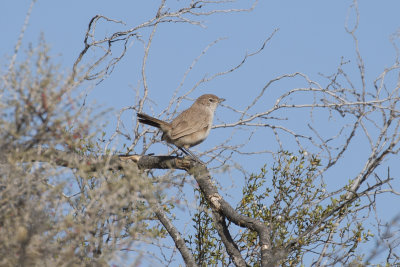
(292, 204)
(295, 208)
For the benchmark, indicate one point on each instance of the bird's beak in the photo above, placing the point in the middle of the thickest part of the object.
(221, 100)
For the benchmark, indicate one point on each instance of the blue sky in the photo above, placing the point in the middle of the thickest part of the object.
(311, 39)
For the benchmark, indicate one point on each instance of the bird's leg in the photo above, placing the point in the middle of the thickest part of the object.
(190, 153)
(176, 150)
(183, 150)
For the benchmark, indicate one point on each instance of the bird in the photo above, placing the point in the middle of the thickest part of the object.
(189, 128)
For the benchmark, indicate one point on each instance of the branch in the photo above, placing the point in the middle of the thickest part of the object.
(220, 207)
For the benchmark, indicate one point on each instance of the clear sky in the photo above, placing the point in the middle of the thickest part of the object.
(311, 39)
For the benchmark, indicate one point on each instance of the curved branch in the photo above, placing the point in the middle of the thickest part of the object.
(221, 209)
(219, 205)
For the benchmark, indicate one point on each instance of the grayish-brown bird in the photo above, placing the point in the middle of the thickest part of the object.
(189, 128)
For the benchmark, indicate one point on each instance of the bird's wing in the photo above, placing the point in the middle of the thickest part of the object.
(184, 125)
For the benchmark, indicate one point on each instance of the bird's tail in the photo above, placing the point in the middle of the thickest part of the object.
(146, 119)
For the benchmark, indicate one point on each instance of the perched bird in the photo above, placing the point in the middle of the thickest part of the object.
(189, 128)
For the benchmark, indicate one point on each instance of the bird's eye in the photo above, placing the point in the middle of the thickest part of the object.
(211, 100)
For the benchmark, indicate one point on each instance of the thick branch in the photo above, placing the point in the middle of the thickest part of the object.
(218, 204)
(220, 207)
